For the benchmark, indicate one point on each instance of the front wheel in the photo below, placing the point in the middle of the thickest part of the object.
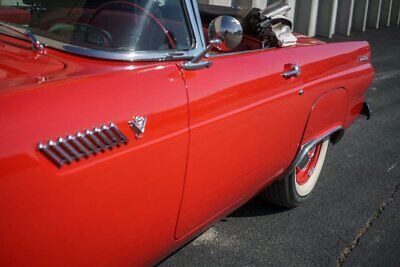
(298, 185)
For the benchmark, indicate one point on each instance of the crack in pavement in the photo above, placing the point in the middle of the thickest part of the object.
(386, 75)
(392, 167)
(354, 243)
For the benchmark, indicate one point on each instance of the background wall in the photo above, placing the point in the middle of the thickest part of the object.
(327, 17)
(324, 17)
(11, 2)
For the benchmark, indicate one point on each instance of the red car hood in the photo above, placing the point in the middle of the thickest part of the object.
(20, 65)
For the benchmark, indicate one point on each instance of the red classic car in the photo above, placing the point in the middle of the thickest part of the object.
(129, 127)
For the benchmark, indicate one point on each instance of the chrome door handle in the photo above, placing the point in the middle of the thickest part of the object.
(294, 72)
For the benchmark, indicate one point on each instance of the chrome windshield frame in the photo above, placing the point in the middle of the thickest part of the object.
(197, 46)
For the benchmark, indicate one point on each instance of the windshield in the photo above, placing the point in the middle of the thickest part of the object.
(119, 25)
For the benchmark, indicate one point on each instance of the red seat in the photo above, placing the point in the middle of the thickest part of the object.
(15, 15)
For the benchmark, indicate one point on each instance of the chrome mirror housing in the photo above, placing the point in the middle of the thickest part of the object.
(225, 34)
(228, 30)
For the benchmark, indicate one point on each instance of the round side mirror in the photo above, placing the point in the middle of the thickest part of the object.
(228, 30)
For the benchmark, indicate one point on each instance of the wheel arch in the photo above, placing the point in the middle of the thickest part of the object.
(327, 116)
(323, 122)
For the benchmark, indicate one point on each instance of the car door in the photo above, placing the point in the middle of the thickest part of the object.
(118, 206)
(246, 122)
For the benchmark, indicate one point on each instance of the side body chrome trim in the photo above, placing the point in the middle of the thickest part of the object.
(72, 148)
(193, 20)
(333, 133)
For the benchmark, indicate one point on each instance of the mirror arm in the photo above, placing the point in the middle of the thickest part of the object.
(196, 63)
(199, 57)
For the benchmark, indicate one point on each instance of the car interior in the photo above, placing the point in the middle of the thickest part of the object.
(140, 25)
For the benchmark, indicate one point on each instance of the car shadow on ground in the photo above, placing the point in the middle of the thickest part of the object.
(256, 207)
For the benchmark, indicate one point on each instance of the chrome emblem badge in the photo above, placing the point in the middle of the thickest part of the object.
(364, 58)
(138, 125)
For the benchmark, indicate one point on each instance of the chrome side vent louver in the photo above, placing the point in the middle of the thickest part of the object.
(82, 145)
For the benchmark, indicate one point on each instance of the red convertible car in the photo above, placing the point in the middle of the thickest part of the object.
(130, 126)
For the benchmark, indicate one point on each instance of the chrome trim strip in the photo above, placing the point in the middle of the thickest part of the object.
(91, 136)
(198, 45)
(78, 145)
(86, 142)
(217, 55)
(120, 135)
(50, 154)
(110, 134)
(70, 148)
(199, 24)
(74, 148)
(55, 146)
(103, 137)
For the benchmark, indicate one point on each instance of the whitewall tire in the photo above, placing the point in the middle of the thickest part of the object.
(298, 185)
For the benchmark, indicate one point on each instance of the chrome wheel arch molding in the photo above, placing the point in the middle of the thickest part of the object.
(334, 134)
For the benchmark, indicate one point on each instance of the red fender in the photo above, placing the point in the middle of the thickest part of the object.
(328, 112)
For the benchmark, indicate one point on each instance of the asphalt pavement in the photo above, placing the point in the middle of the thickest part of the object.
(352, 219)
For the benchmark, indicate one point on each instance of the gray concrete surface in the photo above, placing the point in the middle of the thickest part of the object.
(353, 218)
